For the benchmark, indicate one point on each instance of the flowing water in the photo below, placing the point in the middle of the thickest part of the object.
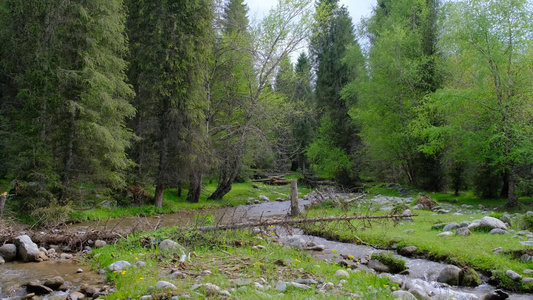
(421, 272)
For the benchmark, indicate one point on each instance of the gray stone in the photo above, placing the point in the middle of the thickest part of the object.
(418, 207)
(408, 251)
(225, 293)
(407, 212)
(464, 224)
(342, 273)
(526, 243)
(464, 231)
(119, 265)
(37, 288)
(307, 281)
(404, 295)
(2, 261)
(498, 250)
(526, 257)
(75, 296)
(146, 297)
(27, 250)
(450, 226)
(169, 245)
(165, 285)
(527, 271)
(377, 265)
(527, 280)
(8, 252)
(498, 231)
(299, 286)
(242, 281)
(296, 242)
(264, 198)
(99, 243)
(54, 282)
(505, 219)
(490, 222)
(496, 295)
(419, 293)
(65, 256)
(445, 233)
(211, 289)
(443, 211)
(513, 275)
(449, 275)
(409, 231)
(281, 286)
(140, 264)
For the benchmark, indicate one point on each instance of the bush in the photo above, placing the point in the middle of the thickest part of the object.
(396, 265)
(525, 221)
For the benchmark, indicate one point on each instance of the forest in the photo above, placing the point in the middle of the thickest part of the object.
(101, 96)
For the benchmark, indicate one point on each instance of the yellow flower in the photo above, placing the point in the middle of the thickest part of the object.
(141, 278)
(136, 258)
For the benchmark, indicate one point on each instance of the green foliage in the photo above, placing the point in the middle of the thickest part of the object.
(525, 221)
(395, 264)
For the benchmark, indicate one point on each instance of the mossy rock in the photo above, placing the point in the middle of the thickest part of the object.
(396, 265)
(469, 277)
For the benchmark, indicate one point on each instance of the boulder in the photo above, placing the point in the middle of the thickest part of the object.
(377, 265)
(449, 275)
(490, 222)
(119, 265)
(8, 252)
(463, 231)
(169, 245)
(408, 251)
(27, 250)
(469, 277)
(37, 288)
(165, 285)
(55, 282)
(451, 226)
(404, 295)
(513, 275)
(99, 244)
(496, 295)
(498, 231)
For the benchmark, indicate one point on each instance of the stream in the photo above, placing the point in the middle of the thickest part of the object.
(422, 272)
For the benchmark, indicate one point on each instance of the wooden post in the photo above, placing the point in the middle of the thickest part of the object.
(295, 210)
(2, 203)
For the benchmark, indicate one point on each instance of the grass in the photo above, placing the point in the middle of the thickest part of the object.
(475, 250)
(172, 203)
(228, 256)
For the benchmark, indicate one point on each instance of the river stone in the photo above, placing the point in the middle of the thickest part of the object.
(490, 222)
(299, 286)
(527, 280)
(169, 245)
(445, 233)
(513, 275)
(27, 250)
(242, 281)
(498, 231)
(37, 288)
(54, 282)
(463, 231)
(419, 293)
(76, 296)
(449, 275)
(450, 226)
(496, 295)
(8, 252)
(377, 265)
(342, 273)
(119, 265)
(408, 251)
(99, 244)
(65, 256)
(404, 295)
(469, 277)
(165, 285)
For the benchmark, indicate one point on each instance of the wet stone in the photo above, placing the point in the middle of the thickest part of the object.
(38, 288)
(54, 282)
(8, 252)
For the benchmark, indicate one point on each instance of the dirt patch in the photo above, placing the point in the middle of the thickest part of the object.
(426, 202)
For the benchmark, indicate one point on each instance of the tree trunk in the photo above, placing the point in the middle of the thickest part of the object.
(2, 203)
(158, 199)
(505, 188)
(223, 188)
(512, 200)
(295, 209)
(195, 188)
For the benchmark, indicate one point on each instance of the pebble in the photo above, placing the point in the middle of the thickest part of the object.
(342, 273)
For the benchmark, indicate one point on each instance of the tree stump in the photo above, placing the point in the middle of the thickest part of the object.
(2, 203)
(295, 209)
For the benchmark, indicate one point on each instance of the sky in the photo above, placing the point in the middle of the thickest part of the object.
(356, 8)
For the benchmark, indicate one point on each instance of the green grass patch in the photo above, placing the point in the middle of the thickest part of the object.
(224, 257)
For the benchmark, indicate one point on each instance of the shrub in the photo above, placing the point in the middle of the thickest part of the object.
(525, 221)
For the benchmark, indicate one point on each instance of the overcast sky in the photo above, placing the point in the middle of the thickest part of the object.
(357, 8)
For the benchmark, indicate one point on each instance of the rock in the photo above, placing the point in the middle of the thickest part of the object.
(506, 219)
(178, 275)
(88, 290)
(527, 271)
(65, 256)
(408, 251)
(54, 282)
(119, 265)
(146, 297)
(8, 252)
(211, 289)
(165, 285)
(99, 244)
(498, 231)
(469, 277)
(449, 275)
(281, 286)
(526, 257)
(169, 245)
(450, 226)
(140, 264)
(526, 243)
(2, 260)
(43, 256)
(513, 275)
(418, 207)
(264, 198)
(445, 233)
(80, 270)
(527, 280)
(438, 226)
(443, 211)
(225, 293)
(407, 212)
(498, 250)
(496, 295)
(241, 281)
(377, 265)
(464, 224)
(307, 281)
(299, 286)
(258, 247)
(76, 296)
(296, 242)
(404, 295)
(419, 293)
(409, 231)
(490, 222)
(37, 288)
(464, 231)
(342, 273)
(27, 250)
